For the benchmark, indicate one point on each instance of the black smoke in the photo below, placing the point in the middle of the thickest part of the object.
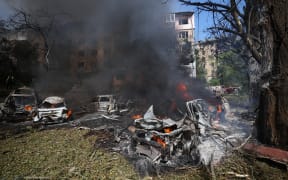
(138, 46)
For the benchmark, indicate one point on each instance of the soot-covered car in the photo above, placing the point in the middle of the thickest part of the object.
(20, 104)
(53, 110)
(105, 103)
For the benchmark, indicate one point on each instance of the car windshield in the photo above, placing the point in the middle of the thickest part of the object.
(49, 105)
(23, 91)
(104, 99)
(24, 100)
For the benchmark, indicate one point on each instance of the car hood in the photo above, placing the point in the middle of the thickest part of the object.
(51, 111)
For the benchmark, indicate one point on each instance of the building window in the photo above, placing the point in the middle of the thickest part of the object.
(94, 52)
(81, 66)
(183, 35)
(183, 21)
(170, 18)
(81, 53)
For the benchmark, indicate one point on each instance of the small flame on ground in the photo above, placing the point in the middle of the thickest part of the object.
(136, 116)
(219, 108)
(168, 130)
(159, 141)
(69, 113)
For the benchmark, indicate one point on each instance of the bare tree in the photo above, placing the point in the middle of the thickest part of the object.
(41, 23)
(262, 25)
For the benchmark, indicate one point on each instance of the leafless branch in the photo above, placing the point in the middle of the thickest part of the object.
(228, 18)
(206, 5)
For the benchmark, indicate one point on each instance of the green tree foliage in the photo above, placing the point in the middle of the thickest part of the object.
(214, 82)
(232, 70)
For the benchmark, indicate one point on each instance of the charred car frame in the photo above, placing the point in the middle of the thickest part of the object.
(20, 104)
(53, 110)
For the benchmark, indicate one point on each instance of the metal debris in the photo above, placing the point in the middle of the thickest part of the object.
(189, 140)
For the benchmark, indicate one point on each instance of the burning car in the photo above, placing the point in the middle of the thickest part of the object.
(20, 104)
(105, 103)
(53, 110)
(189, 140)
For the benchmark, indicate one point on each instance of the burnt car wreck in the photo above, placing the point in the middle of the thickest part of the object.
(53, 110)
(20, 104)
(191, 140)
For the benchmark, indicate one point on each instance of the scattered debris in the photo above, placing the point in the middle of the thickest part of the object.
(189, 140)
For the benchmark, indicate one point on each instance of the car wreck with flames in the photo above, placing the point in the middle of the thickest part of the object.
(190, 140)
(52, 110)
(20, 104)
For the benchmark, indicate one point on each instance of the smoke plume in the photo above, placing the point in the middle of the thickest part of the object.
(135, 43)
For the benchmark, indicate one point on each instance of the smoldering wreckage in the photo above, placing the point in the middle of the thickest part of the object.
(193, 137)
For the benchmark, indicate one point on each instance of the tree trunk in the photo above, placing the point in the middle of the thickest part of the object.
(272, 121)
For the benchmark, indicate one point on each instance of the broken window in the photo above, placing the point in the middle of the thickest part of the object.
(183, 21)
(23, 100)
(104, 99)
(49, 105)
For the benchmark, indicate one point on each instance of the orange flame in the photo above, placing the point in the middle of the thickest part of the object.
(219, 108)
(159, 141)
(183, 91)
(69, 113)
(167, 129)
(181, 87)
(136, 116)
(28, 108)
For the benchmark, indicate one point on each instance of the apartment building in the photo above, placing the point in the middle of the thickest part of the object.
(184, 25)
(206, 54)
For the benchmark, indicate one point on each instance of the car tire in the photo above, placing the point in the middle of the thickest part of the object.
(2, 115)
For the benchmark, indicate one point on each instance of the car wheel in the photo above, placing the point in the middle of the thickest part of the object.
(2, 115)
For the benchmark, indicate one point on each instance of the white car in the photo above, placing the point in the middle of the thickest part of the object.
(53, 110)
(105, 103)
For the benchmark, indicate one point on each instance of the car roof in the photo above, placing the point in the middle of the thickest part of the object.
(24, 90)
(106, 95)
(54, 100)
(22, 95)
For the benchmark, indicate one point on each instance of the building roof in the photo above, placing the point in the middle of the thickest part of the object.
(184, 13)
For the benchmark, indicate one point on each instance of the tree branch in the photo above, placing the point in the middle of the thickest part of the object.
(208, 4)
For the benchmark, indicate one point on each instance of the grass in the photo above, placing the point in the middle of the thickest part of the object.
(72, 154)
(55, 154)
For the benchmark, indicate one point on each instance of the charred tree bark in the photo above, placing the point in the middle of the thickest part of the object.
(272, 121)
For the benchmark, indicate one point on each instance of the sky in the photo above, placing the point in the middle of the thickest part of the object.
(202, 19)
(4, 9)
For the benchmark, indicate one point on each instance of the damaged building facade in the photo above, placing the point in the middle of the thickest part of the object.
(205, 53)
(184, 25)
